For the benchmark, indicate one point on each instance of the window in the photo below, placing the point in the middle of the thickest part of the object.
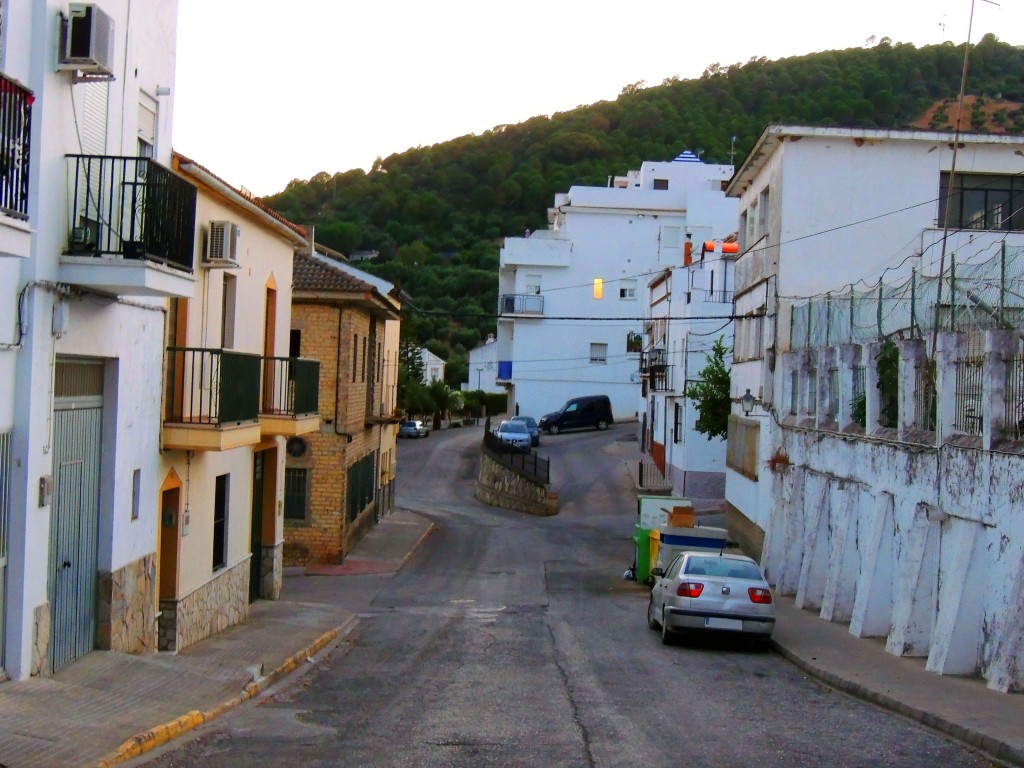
(533, 284)
(677, 424)
(627, 289)
(355, 355)
(661, 183)
(762, 213)
(982, 201)
(598, 287)
(227, 308)
(296, 493)
(295, 343)
(361, 484)
(220, 521)
(362, 375)
(598, 353)
(743, 232)
(751, 218)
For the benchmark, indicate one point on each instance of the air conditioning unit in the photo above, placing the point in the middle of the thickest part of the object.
(222, 244)
(87, 42)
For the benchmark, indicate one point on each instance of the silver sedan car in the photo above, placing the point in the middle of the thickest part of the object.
(515, 433)
(706, 591)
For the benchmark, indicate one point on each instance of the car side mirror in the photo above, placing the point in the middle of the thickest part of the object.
(657, 572)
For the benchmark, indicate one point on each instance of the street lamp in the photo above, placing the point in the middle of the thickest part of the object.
(747, 403)
(478, 371)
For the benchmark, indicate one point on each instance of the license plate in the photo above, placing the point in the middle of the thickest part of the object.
(712, 622)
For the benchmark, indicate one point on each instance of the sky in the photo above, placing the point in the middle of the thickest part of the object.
(267, 92)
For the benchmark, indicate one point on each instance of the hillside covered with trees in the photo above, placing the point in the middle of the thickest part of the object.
(437, 214)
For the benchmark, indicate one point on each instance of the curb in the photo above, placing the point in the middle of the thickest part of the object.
(161, 734)
(412, 550)
(996, 748)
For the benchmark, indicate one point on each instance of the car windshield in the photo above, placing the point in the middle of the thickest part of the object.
(512, 426)
(723, 566)
(527, 420)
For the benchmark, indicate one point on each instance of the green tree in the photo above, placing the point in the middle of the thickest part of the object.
(710, 393)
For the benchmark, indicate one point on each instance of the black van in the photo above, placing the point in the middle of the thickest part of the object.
(579, 413)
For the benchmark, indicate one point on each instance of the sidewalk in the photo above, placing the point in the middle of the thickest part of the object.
(959, 707)
(107, 708)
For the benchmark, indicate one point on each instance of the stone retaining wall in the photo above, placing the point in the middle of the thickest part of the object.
(499, 486)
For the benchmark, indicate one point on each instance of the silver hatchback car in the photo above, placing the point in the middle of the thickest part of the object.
(706, 591)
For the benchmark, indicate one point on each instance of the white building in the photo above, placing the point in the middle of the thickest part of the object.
(689, 310)
(876, 463)
(571, 298)
(95, 235)
(483, 367)
(433, 366)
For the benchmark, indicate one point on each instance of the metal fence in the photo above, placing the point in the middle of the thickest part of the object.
(974, 296)
(1014, 415)
(522, 461)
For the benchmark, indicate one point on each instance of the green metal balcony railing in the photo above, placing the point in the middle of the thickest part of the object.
(212, 386)
(291, 386)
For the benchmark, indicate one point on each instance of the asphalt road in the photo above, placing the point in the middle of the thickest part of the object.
(509, 640)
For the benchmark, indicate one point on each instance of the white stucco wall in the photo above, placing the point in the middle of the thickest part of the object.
(127, 336)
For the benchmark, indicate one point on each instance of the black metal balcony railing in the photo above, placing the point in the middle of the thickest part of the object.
(651, 358)
(15, 130)
(291, 386)
(211, 386)
(521, 304)
(131, 207)
(660, 377)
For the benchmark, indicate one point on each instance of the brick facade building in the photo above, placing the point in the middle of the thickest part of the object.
(339, 480)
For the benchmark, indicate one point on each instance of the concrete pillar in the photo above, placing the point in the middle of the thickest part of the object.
(912, 355)
(844, 564)
(849, 357)
(826, 360)
(872, 608)
(872, 395)
(957, 638)
(816, 544)
(913, 611)
(999, 345)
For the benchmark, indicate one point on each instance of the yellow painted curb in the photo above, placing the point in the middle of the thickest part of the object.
(161, 734)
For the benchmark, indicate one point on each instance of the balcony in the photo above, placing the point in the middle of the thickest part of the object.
(131, 227)
(651, 358)
(212, 400)
(521, 304)
(15, 131)
(504, 372)
(291, 393)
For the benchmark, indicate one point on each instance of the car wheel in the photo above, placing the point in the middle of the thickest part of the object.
(602, 425)
(667, 636)
(553, 430)
(652, 622)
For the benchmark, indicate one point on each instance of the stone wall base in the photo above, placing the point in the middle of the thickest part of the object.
(41, 641)
(499, 486)
(215, 606)
(125, 616)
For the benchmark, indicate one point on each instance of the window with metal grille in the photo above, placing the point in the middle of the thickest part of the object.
(677, 424)
(296, 493)
(812, 392)
(968, 410)
(598, 353)
(1014, 393)
(362, 476)
(924, 398)
(859, 404)
(794, 393)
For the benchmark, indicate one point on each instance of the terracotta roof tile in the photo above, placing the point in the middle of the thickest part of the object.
(317, 274)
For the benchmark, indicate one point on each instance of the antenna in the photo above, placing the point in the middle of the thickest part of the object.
(732, 152)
